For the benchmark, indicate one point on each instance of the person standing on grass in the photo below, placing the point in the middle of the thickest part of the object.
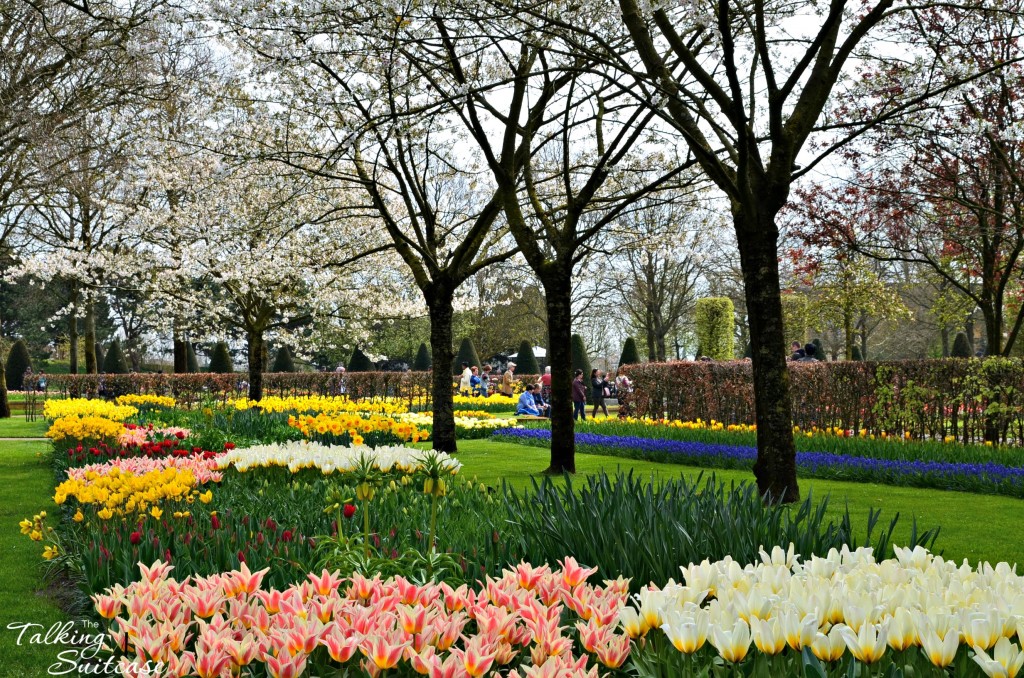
(485, 381)
(545, 384)
(527, 406)
(507, 381)
(465, 383)
(579, 397)
(475, 381)
(600, 391)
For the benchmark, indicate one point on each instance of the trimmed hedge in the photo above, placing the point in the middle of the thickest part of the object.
(925, 398)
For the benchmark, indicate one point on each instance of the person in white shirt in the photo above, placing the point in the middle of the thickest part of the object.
(466, 383)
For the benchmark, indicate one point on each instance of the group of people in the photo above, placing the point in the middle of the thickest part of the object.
(804, 354)
(534, 401)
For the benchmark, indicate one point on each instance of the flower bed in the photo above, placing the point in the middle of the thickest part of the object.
(84, 407)
(782, 616)
(323, 404)
(984, 477)
(334, 458)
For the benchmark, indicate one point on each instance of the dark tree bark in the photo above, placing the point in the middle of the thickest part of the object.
(439, 306)
(775, 468)
(180, 355)
(72, 343)
(90, 338)
(5, 405)
(558, 300)
(256, 346)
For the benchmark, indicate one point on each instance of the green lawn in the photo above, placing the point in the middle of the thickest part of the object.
(976, 527)
(17, 427)
(28, 483)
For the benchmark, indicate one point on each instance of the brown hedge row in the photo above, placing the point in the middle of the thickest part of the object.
(969, 399)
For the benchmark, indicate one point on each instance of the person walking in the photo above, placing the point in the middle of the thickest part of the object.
(600, 391)
(579, 397)
(507, 381)
(475, 381)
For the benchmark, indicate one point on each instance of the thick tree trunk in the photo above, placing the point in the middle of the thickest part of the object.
(944, 335)
(848, 332)
(775, 468)
(5, 405)
(72, 343)
(90, 339)
(180, 355)
(558, 299)
(440, 307)
(256, 345)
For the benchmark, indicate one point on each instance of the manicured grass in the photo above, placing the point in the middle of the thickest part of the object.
(976, 527)
(17, 427)
(27, 479)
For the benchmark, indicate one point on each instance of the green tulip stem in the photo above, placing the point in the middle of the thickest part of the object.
(433, 528)
(366, 527)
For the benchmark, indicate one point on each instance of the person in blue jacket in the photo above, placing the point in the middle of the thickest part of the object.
(527, 405)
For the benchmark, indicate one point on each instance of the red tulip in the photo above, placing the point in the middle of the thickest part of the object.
(349, 510)
(135, 537)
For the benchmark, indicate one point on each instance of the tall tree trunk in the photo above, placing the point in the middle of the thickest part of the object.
(254, 340)
(90, 338)
(439, 306)
(944, 334)
(73, 343)
(775, 468)
(848, 332)
(5, 405)
(652, 349)
(558, 301)
(180, 354)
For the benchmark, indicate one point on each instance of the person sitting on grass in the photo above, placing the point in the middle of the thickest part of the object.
(527, 405)
(538, 400)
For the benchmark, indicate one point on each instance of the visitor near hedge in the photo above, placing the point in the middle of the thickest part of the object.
(601, 389)
(579, 397)
(545, 383)
(810, 354)
(527, 405)
(507, 380)
(798, 351)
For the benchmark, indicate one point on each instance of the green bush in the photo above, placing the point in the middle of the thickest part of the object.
(220, 359)
(819, 353)
(526, 361)
(961, 346)
(18, 362)
(113, 361)
(422, 362)
(856, 354)
(795, 318)
(716, 326)
(466, 354)
(191, 359)
(629, 356)
(644, 530)
(359, 362)
(283, 361)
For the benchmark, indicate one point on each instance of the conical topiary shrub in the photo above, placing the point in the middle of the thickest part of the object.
(630, 356)
(466, 354)
(359, 362)
(113, 361)
(220, 359)
(855, 354)
(819, 354)
(961, 346)
(191, 359)
(283, 361)
(100, 354)
(18, 362)
(526, 361)
(422, 362)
